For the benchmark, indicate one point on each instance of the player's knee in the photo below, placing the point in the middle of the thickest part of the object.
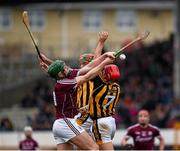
(94, 147)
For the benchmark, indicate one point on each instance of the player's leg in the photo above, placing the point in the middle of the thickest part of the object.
(84, 141)
(63, 131)
(85, 122)
(66, 130)
(65, 146)
(106, 146)
(104, 130)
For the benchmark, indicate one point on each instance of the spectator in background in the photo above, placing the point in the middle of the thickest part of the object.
(6, 124)
(143, 133)
(28, 143)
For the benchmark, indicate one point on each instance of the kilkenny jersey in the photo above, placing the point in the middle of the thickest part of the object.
(104, 98)
(83, 94)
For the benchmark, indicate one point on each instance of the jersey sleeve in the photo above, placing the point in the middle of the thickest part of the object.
(36, 144)
(156, 132)
(75, 72)
(129, 132)
(20, 145)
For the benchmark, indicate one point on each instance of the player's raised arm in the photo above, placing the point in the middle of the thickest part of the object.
(45, 59)
(89, 71)
(102, 38)
(43, 65)
(108, 56)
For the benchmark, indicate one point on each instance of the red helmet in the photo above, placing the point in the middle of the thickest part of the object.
(112, 72)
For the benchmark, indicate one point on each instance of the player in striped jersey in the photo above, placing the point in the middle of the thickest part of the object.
(104, 139)
(104, 98)
(86, 89)
(102, 106)
(83, 95)
(109, 99)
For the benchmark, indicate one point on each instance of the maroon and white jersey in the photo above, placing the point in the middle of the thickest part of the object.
(28, 144)
(143, 137)
(65, 96)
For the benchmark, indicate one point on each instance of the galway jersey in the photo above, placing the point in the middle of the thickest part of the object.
(28, 144)
(65, 96)
(143, 137)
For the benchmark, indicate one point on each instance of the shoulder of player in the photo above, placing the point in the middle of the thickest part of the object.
(132, 127)
(74, 72)
(71, 79)
(153, 127)
(21, 142)
(116, 84)
(66, 81)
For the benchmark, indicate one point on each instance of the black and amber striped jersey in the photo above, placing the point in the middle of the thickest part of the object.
(84, 93)
(104, 98)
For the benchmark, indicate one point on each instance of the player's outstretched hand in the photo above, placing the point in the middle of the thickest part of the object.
(45, 59)
(103, 36)
(43, 65)
(110, 54)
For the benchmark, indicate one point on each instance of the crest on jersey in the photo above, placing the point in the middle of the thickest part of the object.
(150, 133)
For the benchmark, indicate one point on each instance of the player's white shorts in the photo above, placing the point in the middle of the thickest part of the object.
(85, 122)
(65, 129)
(104, 129)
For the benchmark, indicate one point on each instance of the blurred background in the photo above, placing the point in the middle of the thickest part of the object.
(150, 75)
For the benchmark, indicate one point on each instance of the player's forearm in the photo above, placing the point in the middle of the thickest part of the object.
(92, 65)
(102, 38)
(97, 61)
(94, 72)
(106, 58)
(46, 60)
(124, 141)
(49, 61)
(99, 48)
(161, 145)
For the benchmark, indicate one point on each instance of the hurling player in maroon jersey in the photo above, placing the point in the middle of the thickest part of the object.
(65, 129)
(28, 143)
(143, 133)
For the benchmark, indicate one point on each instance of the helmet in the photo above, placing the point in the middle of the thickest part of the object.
(56, 67)
(112, 72)
(86, 58)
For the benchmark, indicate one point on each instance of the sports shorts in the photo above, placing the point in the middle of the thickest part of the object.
(84, 121)
(104, 129)
(65, 129)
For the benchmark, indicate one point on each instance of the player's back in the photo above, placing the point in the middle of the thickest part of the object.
(104, 98)
(65, 96)
(84, 93)
(143, 137)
